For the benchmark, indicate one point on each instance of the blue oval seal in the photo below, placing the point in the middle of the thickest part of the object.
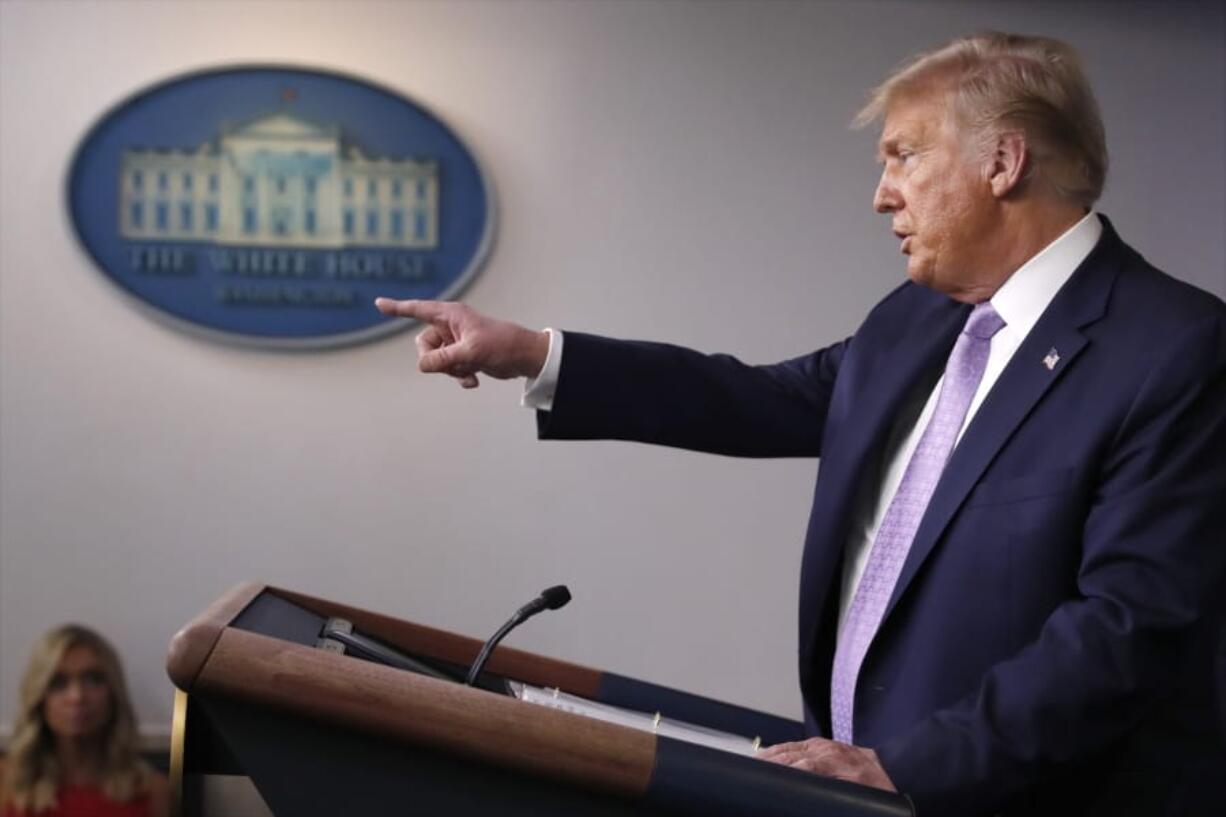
(269, 205)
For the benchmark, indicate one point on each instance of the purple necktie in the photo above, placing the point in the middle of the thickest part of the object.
(963, 372)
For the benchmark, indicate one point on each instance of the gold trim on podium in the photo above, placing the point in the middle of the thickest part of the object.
(178, 734)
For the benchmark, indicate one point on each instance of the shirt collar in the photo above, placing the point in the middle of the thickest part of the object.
(1022, 298)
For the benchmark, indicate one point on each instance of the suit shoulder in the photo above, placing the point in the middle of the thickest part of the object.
(1159, 299)
(1159, 324)
(905, 305)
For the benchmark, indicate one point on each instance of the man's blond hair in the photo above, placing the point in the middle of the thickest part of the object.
(998, 82)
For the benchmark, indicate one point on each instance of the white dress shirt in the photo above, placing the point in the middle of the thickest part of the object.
(538, 391)
(1020, 301)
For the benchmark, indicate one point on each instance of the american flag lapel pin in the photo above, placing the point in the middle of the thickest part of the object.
(1053, 357)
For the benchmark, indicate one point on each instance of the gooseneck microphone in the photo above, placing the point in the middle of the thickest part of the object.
(550, 599)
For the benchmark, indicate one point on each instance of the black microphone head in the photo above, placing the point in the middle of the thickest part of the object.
(555, 597)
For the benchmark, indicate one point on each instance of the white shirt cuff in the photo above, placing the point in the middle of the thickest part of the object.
(538, 391)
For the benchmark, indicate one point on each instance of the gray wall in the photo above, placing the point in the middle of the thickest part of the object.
(679, 171)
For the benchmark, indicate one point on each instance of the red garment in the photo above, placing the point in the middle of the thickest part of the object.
(87, 801)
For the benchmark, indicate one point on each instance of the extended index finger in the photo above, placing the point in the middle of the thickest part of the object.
(432, 311)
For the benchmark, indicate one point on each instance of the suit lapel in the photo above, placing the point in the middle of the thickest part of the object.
(1030, 374)
(887, 373)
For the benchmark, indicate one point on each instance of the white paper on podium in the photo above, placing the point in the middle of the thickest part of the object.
(678, 730)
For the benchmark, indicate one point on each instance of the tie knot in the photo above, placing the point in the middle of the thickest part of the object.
(984, 322)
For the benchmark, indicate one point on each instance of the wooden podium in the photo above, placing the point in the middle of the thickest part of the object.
(322, 733)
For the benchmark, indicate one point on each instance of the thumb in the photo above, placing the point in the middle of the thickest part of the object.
(453, 359)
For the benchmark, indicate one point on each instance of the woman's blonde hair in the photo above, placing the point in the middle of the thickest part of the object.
(31, 771)
(998, 82)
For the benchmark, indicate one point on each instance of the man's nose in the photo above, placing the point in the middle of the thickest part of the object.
(886, 198)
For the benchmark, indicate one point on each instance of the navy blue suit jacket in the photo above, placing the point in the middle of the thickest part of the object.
(1055, 643)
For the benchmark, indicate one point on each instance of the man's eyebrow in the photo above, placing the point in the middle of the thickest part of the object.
(886, 147)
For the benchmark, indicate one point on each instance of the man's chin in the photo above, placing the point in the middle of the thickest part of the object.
(918, 273)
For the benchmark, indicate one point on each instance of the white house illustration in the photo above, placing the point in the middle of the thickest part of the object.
(279, 181)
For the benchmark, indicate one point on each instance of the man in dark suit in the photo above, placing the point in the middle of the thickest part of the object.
(1012, 596)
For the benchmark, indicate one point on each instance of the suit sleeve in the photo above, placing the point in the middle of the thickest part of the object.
(668, 395)
(1150, 590)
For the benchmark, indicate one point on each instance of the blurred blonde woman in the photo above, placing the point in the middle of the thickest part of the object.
(73, 752)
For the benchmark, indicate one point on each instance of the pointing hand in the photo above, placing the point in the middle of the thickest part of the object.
(461, 342)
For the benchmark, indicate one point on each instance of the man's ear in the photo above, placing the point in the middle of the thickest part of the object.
(1008, 163)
